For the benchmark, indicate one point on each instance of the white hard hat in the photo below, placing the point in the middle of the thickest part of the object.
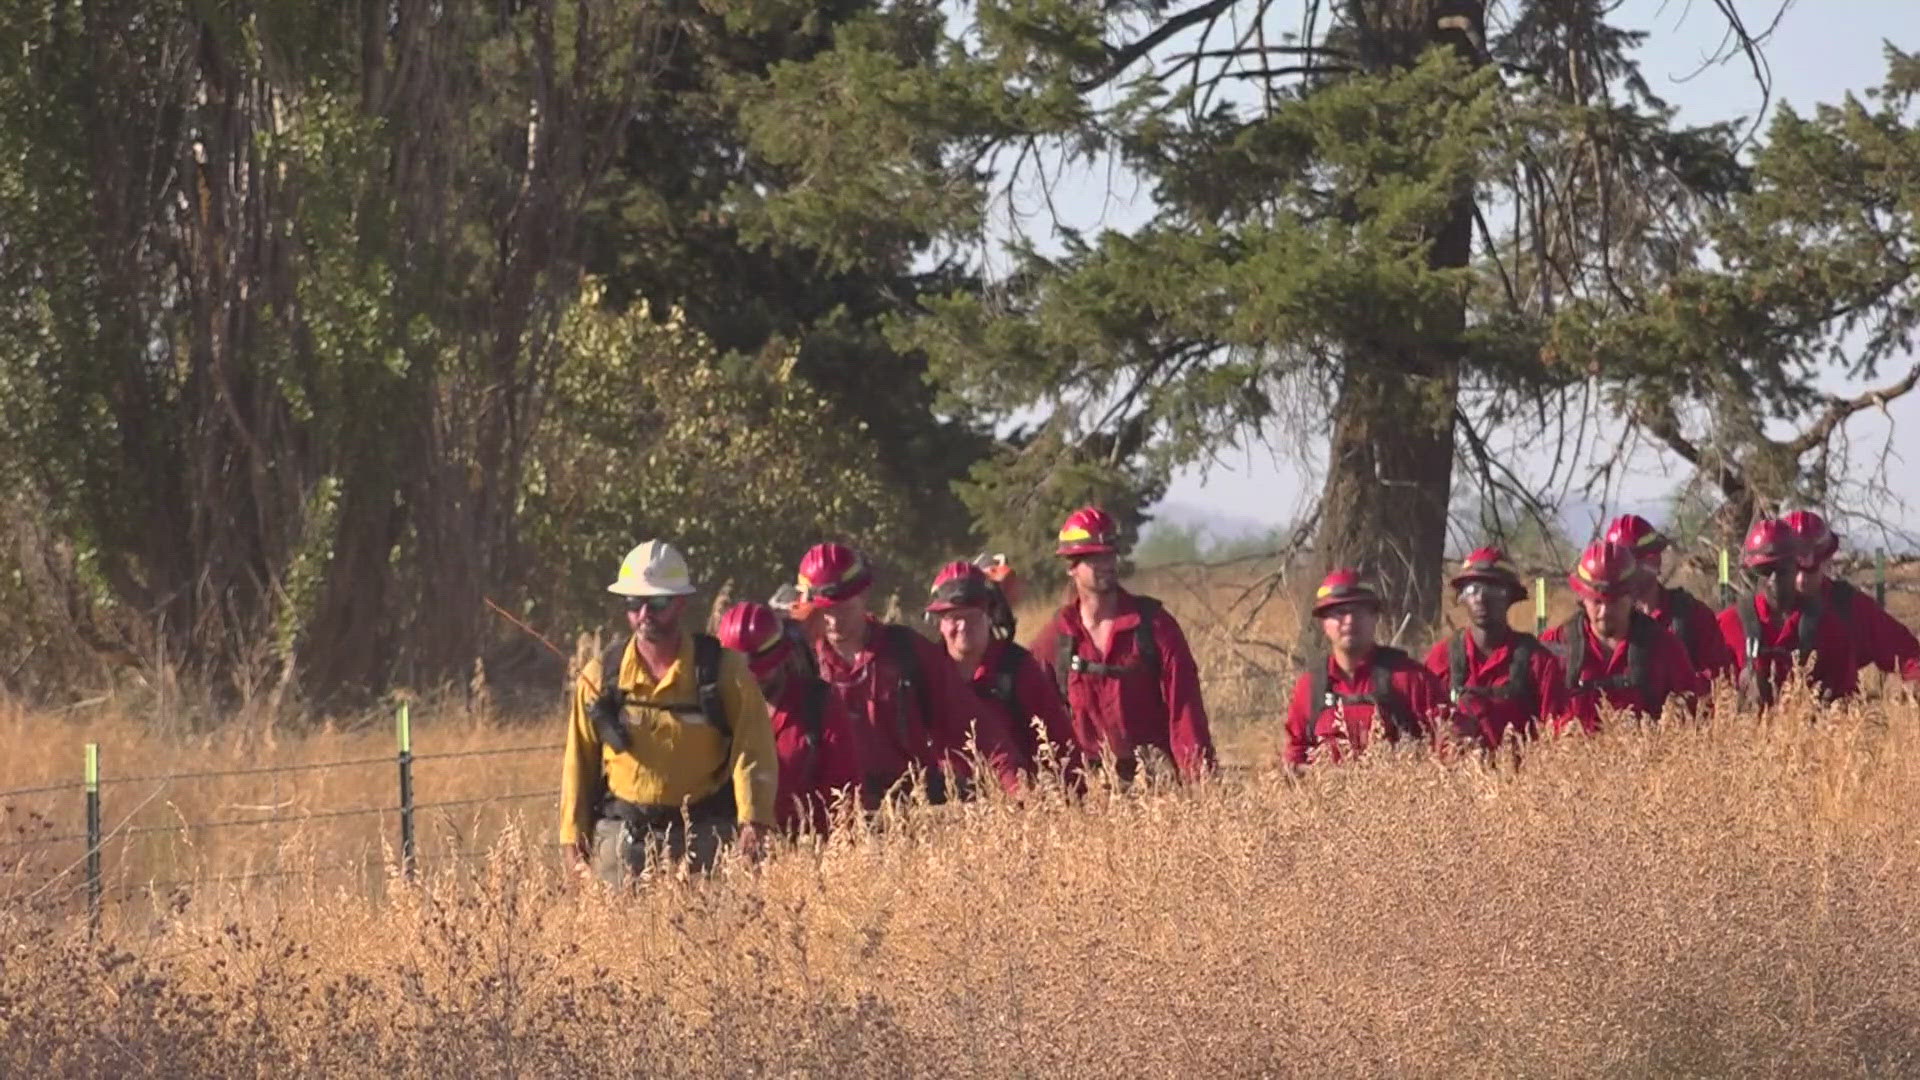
(653, 569)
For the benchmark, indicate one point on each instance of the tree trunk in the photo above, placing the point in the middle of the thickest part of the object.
(1390, 464)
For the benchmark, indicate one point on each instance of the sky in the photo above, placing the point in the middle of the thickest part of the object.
(1820, 51)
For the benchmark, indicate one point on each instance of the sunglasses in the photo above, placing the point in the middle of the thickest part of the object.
(655, 604)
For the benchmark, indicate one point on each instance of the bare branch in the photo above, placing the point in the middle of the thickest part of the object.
(1120, 59)
(1838, 410)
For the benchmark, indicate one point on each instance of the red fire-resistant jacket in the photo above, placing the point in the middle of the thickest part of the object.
(1700, 633)
(814, 764)
(1843, 642)
(1035, 696)
(1668, 672)
(1489, 717)
(1343, 729)
(1878, 638)
(892, 728)
(1113, 716)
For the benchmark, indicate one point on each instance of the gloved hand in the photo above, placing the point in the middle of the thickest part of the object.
(606, 715)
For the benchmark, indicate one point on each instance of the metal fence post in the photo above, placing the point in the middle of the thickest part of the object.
(1880, 577)
(1539, 606)
(1726, 581)
(92, 783)
(403, 724)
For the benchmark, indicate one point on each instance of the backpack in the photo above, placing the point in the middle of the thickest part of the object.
(1752, 631)
(1067, 658)
(1381, 695)
(1000, 687)
(1519, 685)
(813, 710)
(706, 676)
(1843, 593)
(1681, 606)
(1640, 631)
(902, 643)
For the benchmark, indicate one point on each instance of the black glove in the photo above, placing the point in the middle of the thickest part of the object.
(607, 721)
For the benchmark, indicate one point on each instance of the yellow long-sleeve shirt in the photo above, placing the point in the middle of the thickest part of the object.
(672, 757)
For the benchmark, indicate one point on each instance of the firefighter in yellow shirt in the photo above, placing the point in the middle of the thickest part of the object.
(669, 756)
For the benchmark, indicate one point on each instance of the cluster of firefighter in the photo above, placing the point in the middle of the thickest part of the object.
(810, 706)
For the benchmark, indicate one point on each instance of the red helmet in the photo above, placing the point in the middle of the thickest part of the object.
(757, 631)
(832, 574)
(1344, 586)
(1638, 535)
(1490, 564)
(1088, 531)
(960, 584)
(1816, 540)
(1769, 543)
(1605, 571)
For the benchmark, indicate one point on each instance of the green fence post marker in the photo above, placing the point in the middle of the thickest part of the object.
(1726, 581)
(1880, 579)
(92, 781)
(403, 731)
(1539, 606)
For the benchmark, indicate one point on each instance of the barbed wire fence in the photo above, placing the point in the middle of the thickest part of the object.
(75, 859)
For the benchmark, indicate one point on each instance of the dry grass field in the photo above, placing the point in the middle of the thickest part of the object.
(1740, 896)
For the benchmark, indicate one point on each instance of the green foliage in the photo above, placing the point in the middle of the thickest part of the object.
(1167, 543)
(651, 434)
(1020, 497)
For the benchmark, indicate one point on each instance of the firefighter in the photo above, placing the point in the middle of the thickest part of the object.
(1498, 679)
(965, 602)
(668, 741)
(1691, 619)
(1877, 637)
(1338, 702)
(811, 732)
(1120, 661)
(1616, 654)
(1771, 629)
(909, 709)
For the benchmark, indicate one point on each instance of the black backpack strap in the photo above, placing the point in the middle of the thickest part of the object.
(1520, 669)
(813, 710)
(706, 676)
(1457, 665)
(913, 680)
(1640, 634)
(1144, 642)
(1319, 698)
(1387, 700)
(610, 661)
(1004, 672)
(1750, 628)
(1681, 610)
(1063, 656)
(1574, 654)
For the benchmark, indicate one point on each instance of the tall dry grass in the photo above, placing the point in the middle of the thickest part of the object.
(1732, 897)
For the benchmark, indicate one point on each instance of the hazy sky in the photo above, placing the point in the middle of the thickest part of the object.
(1822, 50)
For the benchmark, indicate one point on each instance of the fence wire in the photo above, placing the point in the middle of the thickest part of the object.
(212, 774)
(70, 785)
(284, 819)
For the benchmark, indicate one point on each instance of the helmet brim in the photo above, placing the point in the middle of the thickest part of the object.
(1074, 551)
(1590, 592)
(1511, 584)
(645, 588)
